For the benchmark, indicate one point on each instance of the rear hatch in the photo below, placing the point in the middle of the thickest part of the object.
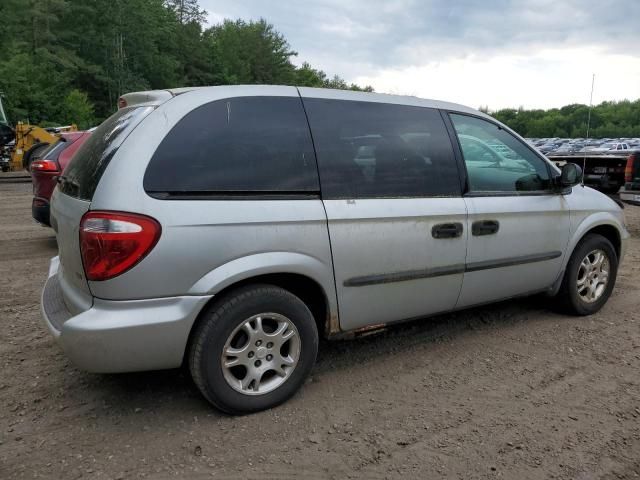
(72, 199)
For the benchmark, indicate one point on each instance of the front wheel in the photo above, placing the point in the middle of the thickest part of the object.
(590, 276)
(254, 349)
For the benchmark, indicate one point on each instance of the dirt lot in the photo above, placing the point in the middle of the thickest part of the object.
(506, 391)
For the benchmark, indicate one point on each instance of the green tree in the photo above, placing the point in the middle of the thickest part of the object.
(251, 52)
(187, 11)
(56, 52)
(608, 119)
(306, 76)
(78, 109)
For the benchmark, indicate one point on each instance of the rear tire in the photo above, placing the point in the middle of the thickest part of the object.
(586, 287)
(237, 350)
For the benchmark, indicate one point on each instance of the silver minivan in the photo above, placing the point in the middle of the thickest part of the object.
(227, 228)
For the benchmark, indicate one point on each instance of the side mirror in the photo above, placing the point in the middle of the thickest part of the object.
(570, 175)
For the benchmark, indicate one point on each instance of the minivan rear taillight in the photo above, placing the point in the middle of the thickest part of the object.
(628, 171)
(113, 242)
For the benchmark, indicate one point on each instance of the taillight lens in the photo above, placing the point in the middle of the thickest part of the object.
(113, 242)
(122, 102)
(45, 166)
(628, 171)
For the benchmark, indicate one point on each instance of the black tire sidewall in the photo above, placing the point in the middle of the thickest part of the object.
(221, 323)
(590, 243)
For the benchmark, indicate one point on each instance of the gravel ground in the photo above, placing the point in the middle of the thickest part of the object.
(506, 391)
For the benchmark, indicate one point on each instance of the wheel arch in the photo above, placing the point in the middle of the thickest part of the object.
(609, 232)
(304, 287)
(604, 225)
(568, 298)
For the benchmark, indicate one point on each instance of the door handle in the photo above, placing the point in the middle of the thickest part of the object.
(485, 227)
(447, 230)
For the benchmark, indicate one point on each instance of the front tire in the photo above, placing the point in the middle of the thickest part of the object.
(590, 276)
(254, 349)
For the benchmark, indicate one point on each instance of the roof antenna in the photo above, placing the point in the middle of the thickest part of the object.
(584, 159)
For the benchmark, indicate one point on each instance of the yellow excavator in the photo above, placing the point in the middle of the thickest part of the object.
(31, 141)
(20, 146)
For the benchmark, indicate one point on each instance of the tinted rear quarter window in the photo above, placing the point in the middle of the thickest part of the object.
(83, 173)
(239, 145)
(373, 150)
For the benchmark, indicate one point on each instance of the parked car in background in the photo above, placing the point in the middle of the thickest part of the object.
(566, 147)
(610, 147)
(48, 167)
(631, 190)
(603, 170)
(604, 160)
(547, 147)
(205, 227)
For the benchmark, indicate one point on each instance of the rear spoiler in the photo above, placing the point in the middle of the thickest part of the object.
(151, 97)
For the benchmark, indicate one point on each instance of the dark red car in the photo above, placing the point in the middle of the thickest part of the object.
(45, 169)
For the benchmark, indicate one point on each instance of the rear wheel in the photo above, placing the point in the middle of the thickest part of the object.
(254, 349)
(590, 276)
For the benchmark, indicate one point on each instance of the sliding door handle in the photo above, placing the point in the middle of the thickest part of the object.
(447, 230)
(485, 227)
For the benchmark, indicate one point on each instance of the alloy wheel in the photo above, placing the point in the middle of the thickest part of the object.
(261, 354)
(593, 276)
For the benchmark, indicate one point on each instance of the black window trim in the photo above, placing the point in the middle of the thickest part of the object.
(234, 195)
(460, 157)
(457, 152)
(313, 144)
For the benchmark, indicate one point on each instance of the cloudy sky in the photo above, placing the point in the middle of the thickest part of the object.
(500, 53)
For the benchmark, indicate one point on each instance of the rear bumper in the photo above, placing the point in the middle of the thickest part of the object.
(40, 211)
(121, 336)
(630, 196)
